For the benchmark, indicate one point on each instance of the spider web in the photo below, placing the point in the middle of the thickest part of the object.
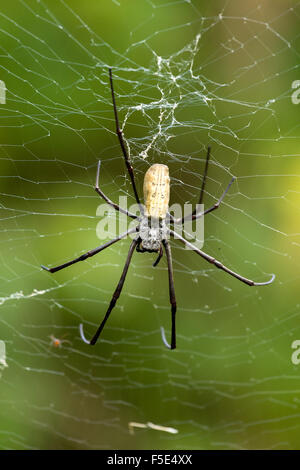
(186, 75)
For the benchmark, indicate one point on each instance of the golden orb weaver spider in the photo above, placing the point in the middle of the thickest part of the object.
(152, 230)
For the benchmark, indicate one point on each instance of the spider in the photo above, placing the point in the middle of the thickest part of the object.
(56, 342)
(153, 229)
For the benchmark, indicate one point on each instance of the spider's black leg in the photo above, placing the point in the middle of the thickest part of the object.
(172, 300)
(106, 199)
(182, 220)
(195, 215)
(219, 265)
(160, 255)
(204, 178)
(115, 296)
(90, 253)
(216, 205)
(122, 142)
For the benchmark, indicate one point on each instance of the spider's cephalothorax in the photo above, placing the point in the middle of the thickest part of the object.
(152, 232)
(153, 229)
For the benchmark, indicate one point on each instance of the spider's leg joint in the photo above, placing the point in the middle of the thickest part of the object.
(163, 337)
(97, 175)
(45, 268)
(264, 283)
(82, 334)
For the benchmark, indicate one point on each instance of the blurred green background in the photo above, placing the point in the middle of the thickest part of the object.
(187, 74)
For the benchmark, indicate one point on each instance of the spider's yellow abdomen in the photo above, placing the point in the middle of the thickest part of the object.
(157, 191)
